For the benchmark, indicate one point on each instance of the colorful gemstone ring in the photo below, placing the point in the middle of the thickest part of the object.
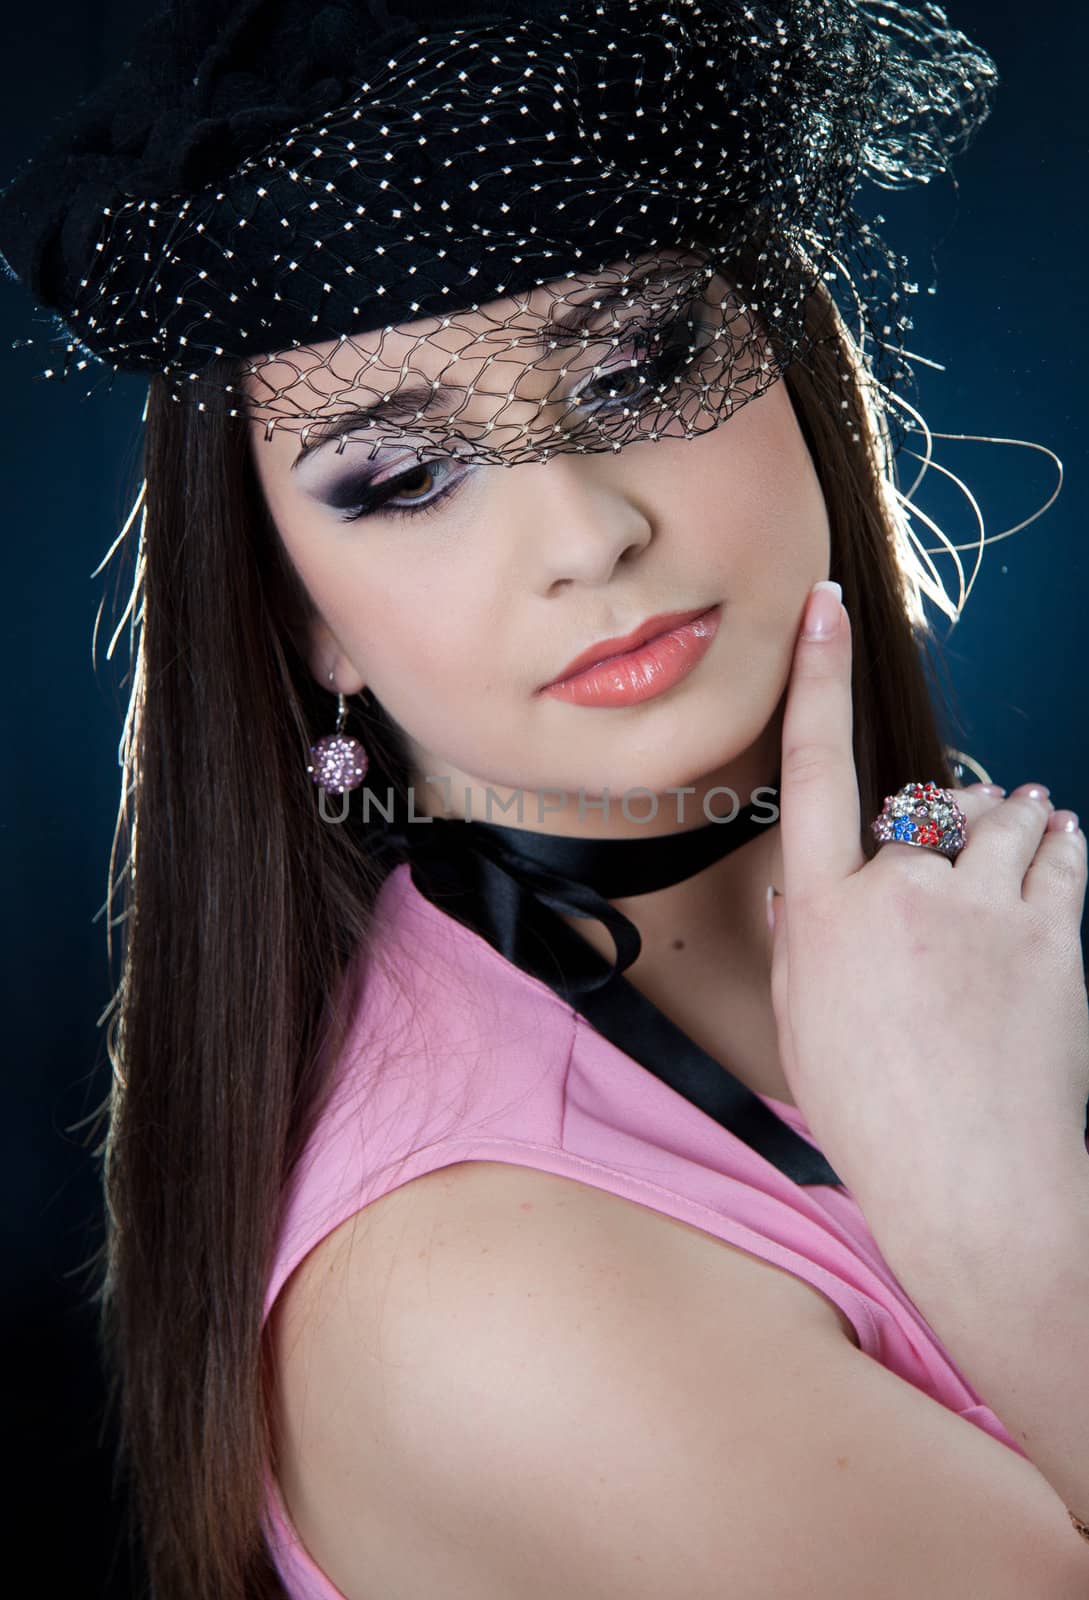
(922, 814)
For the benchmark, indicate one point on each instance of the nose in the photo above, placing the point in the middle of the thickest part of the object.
(577, 520)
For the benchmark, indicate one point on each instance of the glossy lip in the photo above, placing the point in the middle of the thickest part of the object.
(644, 673)
(608, 649)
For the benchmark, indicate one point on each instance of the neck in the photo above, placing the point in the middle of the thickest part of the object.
(714, 920)
(704, 947)
(710, 923)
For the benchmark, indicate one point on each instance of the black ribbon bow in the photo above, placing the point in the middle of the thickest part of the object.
(508, 884)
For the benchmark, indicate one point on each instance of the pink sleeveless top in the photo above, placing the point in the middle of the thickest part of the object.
(457, 1054)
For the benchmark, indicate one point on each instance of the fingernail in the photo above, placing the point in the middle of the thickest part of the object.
(1064, 822)
(823, 611)
(988, 788)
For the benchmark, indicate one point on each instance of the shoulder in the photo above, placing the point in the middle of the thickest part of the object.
(497, 1380)
(552, 1230)
(458, 1303)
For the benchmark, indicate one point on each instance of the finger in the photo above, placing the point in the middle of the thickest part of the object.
(1057, 873)
(994, 789)
(1004, 840)
(976, 801)
(819, 822)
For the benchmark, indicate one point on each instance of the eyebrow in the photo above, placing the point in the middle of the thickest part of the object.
(409, 402)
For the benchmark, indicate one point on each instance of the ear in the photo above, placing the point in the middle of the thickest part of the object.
(325, 656)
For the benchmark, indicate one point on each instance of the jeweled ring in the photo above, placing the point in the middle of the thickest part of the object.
(924, 815)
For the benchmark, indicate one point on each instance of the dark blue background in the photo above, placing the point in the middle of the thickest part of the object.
(1008, 322)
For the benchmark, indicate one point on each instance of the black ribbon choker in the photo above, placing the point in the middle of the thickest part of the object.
(507, 884)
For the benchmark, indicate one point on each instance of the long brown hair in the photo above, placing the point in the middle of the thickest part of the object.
(241, 909)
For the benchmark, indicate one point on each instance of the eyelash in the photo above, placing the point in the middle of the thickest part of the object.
(379, 501)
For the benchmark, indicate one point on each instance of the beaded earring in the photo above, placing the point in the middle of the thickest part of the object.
(338, 762)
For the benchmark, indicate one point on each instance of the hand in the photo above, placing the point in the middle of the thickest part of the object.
(932, 1016)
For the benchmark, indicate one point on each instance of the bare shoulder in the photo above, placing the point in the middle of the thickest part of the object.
(520, 1208)
(498, 1380)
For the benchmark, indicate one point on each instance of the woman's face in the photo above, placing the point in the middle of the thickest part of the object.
(456, 613)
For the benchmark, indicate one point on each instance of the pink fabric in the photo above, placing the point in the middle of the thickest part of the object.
(456, 1054)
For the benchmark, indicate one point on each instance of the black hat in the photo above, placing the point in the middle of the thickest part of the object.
(268, 176)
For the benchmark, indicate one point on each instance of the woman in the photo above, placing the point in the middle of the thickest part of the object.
(451, 1157)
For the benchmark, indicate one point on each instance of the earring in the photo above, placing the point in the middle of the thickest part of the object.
(338, 762)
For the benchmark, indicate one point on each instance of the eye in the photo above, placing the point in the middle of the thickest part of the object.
(641, 378)
(669, 352)
(421, 489)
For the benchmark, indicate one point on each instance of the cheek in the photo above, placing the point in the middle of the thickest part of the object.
(760, 492)
(405, 604)
(391, 615)
(412, 617)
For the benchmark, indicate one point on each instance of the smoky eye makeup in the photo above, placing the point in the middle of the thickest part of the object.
(406, 487)
(354, 484)
(649, 360)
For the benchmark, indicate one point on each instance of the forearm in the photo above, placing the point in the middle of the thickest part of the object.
(1008, 1295)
